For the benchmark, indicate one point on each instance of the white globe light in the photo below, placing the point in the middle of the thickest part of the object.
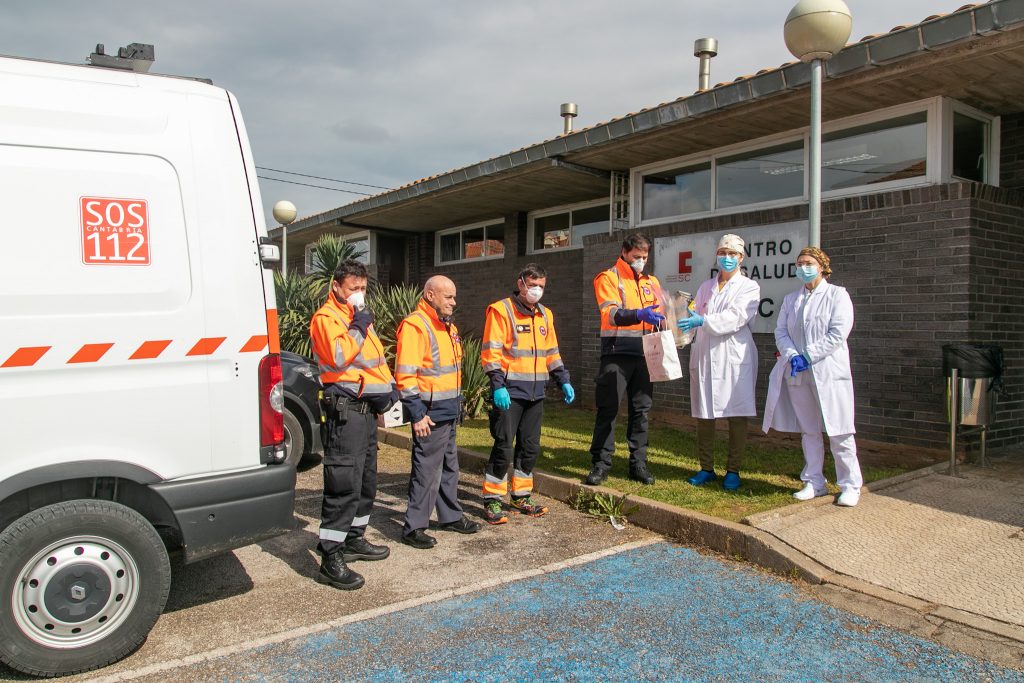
(284, 212)
(817, 29)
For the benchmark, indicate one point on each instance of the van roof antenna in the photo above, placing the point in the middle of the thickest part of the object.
(136, 57)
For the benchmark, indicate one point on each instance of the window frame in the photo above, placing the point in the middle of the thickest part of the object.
(564, 208)
(466, 228)
(939, 131)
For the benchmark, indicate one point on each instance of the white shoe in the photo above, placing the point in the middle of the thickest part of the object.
(808, 492)
(848, 499)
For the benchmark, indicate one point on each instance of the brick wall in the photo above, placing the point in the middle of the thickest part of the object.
(924, 267)
(996, 312)
(479, 283)
(1011, 154)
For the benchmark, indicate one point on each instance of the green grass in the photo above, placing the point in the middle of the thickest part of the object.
(771, 472)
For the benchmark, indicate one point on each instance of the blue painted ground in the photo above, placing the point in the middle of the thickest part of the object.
(660, 613)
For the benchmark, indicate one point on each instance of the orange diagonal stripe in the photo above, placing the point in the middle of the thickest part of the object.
(90, 353)
(150, 349)
(25, 356)
(257, 342)
(275, 340)
(206, 346)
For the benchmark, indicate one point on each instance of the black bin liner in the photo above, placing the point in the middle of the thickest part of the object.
(974, 361)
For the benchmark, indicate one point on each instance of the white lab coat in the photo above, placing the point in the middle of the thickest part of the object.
(723, 358)
(816, 324)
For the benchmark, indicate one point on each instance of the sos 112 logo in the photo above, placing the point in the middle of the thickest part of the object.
(115, 232)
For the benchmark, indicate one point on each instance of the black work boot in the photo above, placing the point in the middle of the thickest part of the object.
(334, 572)
(640, 474)
(358, 548)
(596, 476)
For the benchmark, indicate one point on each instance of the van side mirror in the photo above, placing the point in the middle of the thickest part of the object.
(270, 253)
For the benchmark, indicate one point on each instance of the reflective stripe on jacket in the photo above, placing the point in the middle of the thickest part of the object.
(428, 365)
(349, 357)
(620, 294)
(520, 349)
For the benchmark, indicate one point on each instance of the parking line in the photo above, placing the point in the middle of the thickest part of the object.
(365, 615)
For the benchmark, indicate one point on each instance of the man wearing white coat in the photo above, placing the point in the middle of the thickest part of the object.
(811, 386)
(723, 360)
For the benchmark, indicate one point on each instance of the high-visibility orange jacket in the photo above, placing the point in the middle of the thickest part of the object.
(620, 294)
(428, 367)
(520, 349)
(350, 354)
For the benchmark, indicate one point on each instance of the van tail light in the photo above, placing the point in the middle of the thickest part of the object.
(271, 389)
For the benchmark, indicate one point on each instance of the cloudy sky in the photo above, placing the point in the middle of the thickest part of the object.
(384, 92)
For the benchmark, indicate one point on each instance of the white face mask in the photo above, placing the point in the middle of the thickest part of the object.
(357, 300)
(638, 264)
(533, 294)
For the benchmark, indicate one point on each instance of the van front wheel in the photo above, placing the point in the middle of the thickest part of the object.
(82, 583)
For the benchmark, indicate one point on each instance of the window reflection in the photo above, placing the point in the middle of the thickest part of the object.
(969, 147)
(761, 176)
(677, 192)
(889, 150)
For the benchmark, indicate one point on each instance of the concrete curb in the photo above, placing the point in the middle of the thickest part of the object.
(743, 541)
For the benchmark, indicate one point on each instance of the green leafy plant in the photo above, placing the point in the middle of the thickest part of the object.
(390, 305)
(602, 505)
(328, 253)
(298, 298)
(475, 383)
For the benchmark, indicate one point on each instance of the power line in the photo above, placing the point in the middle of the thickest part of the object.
(319, 187)
(333, 180)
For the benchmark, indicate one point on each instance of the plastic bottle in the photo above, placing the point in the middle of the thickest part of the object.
(681, 304)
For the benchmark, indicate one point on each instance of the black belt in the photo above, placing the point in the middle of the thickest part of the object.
(357, 406)
(338, 402)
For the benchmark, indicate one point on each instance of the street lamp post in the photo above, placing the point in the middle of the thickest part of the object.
(284, 213)
(815, 30)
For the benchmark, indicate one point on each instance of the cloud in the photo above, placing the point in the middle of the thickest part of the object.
(361, 132)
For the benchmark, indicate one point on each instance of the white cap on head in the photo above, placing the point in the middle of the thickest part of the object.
(732, 242)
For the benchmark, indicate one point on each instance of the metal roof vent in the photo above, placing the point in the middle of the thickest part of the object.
(705, 49)
(136, 57)
(569, 110)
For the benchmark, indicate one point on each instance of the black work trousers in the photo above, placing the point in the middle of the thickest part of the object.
(434, 480)
(621, 375)
(516, 433)
(350, 480)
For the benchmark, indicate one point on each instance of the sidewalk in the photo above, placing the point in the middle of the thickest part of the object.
(954, 542)
(947, 551)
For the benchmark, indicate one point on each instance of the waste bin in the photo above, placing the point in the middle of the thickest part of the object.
(974, 373)
(978, 373)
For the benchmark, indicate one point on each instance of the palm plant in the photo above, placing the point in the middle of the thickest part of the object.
(475, 383)
(328, 253)
(390, 305)
(298, 298)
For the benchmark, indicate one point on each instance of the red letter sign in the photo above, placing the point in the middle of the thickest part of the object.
(115, 232)
(684, 262)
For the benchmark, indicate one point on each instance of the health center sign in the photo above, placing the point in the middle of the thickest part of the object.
(683, 262)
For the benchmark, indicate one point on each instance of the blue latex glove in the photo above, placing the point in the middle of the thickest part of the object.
(798, 364)
(687, 324)
(502, 401)
(650, 316)
(570, 393)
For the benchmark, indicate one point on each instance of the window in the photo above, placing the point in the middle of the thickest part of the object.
(471, 243)
(924, 142)
(761, 176)
(970, 147)
(677, 192)
(559, 229)
(895, 149)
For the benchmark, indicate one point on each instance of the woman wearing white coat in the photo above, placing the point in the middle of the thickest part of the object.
(723, 360)
(811, 386)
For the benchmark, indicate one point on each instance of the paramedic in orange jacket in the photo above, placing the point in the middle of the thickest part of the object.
(628, 302)
(357, 387)
(518, 353)
(428, 369)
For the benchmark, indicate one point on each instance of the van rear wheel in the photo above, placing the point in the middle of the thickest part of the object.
(82, 583)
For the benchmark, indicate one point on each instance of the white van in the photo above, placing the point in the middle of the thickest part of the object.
(140, 382)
